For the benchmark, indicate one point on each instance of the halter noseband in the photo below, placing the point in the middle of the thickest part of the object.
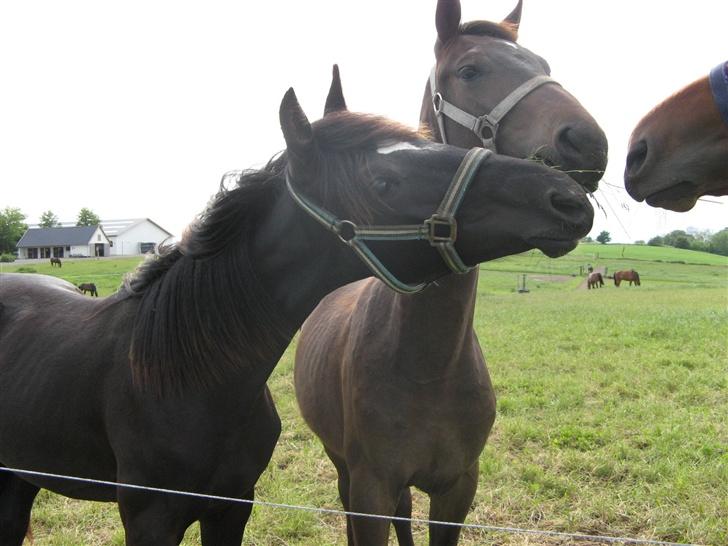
(719, 87)
(440, 229)
(485, 127)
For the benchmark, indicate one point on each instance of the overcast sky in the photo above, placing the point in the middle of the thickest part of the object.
(136, 108)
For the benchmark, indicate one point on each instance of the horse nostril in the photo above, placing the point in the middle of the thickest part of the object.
(567, 141)
(569, 206)
(636, 157)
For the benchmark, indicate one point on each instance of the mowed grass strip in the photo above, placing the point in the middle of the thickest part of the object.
(612, 416)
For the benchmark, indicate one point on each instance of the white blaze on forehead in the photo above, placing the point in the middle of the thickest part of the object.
(396, 147)
(506, 42)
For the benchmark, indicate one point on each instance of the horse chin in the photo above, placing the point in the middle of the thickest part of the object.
(553, 248)
(679, 198)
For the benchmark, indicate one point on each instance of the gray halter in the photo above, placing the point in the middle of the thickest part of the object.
(485, 127)
(440, 229)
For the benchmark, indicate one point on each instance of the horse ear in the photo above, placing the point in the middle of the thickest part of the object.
(335, 99)
(298, 133)
(447, 19)
(513, 20)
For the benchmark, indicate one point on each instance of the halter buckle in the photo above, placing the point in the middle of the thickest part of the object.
(436, 226)
(486, 129)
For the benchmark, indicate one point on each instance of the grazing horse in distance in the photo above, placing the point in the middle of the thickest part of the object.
(56, 261)
(679, 151)
(594, 280)
(631, 275)
(395, 386)
(89, 287)
(165, 383)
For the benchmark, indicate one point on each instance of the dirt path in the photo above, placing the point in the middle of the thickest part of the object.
(583, 285)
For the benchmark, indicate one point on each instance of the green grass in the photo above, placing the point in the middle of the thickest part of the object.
(612, 413)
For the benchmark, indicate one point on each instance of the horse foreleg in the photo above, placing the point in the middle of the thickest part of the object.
(404, 510)
(16, 502)
(226, 527)
(452, 506)
(154, 519)
(370, 494)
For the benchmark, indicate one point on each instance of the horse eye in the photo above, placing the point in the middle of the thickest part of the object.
(468, 73)
(380, 186)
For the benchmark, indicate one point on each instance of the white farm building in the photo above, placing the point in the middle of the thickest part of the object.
(110, 238)
(135, 236)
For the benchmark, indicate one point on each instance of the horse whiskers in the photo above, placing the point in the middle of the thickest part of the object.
(599, 205)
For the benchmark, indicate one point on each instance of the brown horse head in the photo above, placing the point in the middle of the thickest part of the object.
(479, 69)
(679, 151)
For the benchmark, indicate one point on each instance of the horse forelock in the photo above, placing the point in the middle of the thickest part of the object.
(488, 28)
(345, 140)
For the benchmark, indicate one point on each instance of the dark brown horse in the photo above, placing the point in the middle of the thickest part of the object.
(90, 288)
(396, 386)
(163, 383)
(594, 280)
(56, 261)
(632, 276)
(679, 151)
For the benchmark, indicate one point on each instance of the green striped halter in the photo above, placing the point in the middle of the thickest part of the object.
(440, 229)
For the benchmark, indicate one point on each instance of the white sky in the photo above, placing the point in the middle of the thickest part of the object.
(136, 108)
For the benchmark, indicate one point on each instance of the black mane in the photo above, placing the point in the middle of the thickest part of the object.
(202, 311)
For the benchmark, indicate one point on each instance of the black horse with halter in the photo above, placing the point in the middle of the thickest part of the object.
(719, 87)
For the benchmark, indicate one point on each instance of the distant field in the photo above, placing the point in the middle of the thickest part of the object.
(106, 273)
(612, 411)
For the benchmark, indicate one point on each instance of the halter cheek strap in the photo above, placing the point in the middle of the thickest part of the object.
(440, 229)
(485, 127)
(719, 87)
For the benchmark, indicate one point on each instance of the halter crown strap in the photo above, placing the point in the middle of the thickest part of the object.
(485, 127)
(719, 87)
(430, 230)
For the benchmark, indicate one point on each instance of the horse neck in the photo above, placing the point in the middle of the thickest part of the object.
(436, 326)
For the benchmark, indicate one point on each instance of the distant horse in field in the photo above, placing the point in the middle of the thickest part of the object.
(56, 261)
(396, 386)
(594, 280)
(632, 276)
(679, 151)
(164, 385)
(89, 287)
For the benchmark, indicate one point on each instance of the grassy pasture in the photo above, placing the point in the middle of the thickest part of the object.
(612, 410)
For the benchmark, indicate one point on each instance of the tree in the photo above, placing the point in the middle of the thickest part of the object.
(12, 227)
(87, 217)
(656, 241)
(48, 219)
(719, 243)
(604, 237)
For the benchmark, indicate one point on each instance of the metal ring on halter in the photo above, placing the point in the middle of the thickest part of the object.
(346, 230)
(437, 103)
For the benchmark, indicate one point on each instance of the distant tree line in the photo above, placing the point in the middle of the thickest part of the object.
(12, 225)
(715, 243)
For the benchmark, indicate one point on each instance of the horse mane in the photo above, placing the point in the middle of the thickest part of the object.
(202, 312)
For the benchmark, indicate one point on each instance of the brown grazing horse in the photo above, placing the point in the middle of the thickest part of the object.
(594, 280)
(632, 276)
(396, 386)
(164, 385)
(56, 261)
(90, 288)
(679, 151)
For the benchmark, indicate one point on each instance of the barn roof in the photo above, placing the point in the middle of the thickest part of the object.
(57, 236)
(112, 228)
